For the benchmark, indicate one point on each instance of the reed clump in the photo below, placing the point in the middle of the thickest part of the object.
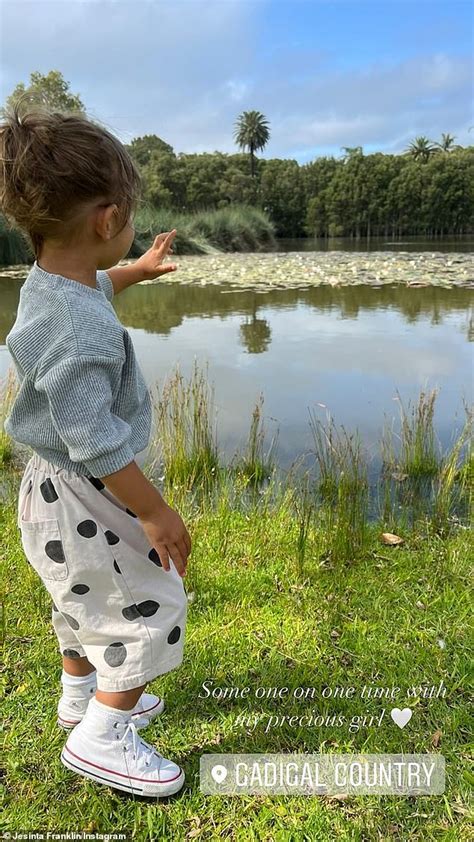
(418, 456)
(342, 487)
(329, 513)
(184, 437)
(253, 465)
(238, 228)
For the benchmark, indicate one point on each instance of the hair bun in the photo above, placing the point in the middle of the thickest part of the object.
(54, 164)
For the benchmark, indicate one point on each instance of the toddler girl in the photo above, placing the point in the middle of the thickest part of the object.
(96, 531)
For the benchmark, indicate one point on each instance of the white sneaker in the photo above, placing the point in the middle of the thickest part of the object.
(107, 748)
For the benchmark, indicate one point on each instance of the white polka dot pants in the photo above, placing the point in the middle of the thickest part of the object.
(112, 600)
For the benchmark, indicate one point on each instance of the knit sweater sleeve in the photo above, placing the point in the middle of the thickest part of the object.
(105, 283)
(80, 393)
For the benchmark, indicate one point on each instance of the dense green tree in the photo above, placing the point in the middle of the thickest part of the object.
(283, 196)
(237, 187)
(142, 148)
(406, 199)
(317, 176)
(163, 179)
(50, 89)
(450, 193)
(252, 133)
(203, 173)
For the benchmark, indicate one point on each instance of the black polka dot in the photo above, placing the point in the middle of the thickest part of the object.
(54, 550)
(174, 635)
(115, 654)
(97, 483)
(71, 621)
(143, 609)
(71, 653)
(112, 538)
(48, 491)
(131, 513)
(117, 567)
(154, 557)
(131, 612)
(80, 589)
(87, 528)
(148, 607)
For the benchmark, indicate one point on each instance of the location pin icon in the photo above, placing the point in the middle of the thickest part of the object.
(219, 773)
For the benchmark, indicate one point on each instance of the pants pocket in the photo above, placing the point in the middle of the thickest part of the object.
(43, 546)
(24, 499)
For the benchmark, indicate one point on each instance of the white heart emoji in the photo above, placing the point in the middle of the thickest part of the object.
(401, 717)
(219, 773)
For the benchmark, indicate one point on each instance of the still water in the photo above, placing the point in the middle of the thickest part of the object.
(339, 350)
(461, 244)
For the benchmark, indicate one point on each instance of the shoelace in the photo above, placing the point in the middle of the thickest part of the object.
(149, 751)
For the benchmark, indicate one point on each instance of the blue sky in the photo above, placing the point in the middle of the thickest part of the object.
(325, 73)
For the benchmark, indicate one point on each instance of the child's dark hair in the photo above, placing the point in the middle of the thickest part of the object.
(52, 162)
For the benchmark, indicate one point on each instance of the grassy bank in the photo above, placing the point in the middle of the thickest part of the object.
(237, 228)
(14, 249)
(288, 586)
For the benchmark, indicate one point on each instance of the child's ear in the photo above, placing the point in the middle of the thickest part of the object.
(106, 221)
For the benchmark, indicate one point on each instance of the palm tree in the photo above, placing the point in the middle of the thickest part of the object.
(251, 132)
(352, 152)
(447, 143)
(421, 149)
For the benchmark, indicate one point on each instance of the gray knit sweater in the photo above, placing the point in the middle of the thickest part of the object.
(82, 402)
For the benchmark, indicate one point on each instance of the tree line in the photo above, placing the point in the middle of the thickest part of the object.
(355, 196)
(426, 190)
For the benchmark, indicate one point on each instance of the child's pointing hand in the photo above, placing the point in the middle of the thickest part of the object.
(150, 263)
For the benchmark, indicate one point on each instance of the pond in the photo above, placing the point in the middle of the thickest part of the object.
(334, 333)
(409, 243)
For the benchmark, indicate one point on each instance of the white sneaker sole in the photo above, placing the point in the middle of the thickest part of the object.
(117, 780)
(69, 724)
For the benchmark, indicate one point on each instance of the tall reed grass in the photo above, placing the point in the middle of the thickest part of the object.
(236, 228)
(342, 489)
(333, 508)
(418, 456)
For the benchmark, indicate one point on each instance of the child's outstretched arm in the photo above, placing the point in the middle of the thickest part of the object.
(148, 266)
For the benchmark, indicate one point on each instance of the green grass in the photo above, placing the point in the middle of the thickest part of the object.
(275, 601)
(8, 389)
(260, 618)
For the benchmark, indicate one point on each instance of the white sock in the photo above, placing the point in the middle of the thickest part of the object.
(110, 709)
(78, 680)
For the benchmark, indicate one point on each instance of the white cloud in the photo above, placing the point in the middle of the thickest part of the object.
(236, 89)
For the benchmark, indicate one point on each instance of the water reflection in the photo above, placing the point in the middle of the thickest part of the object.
(161, 307)
(460, 244)
(343, 349)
